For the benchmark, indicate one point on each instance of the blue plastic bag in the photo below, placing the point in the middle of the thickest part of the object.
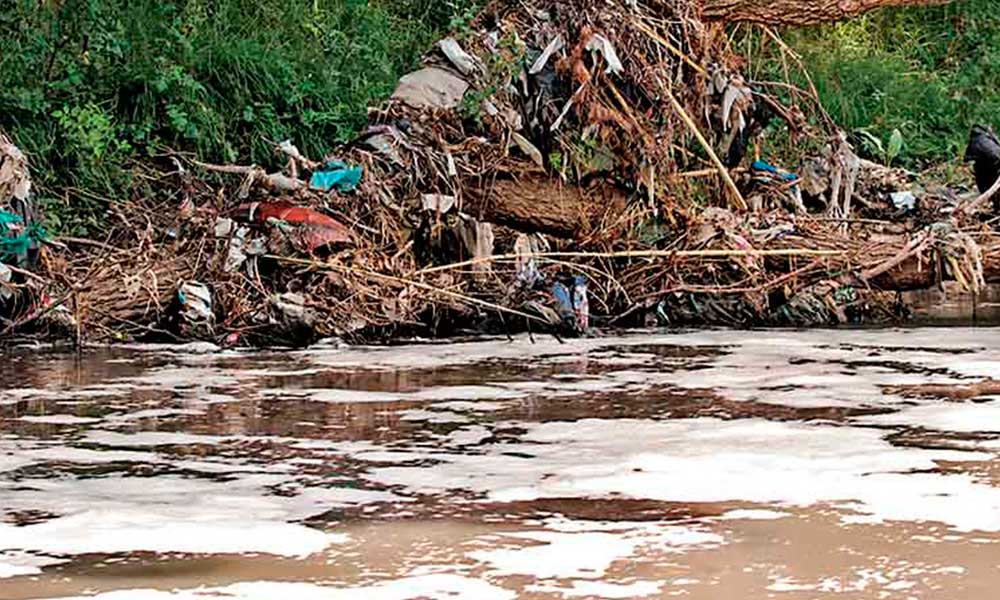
(337, 176)
(16, 239)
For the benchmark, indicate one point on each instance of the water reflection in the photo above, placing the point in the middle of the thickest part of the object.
(702, 465)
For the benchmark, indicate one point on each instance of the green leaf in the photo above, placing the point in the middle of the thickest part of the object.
(895, 145)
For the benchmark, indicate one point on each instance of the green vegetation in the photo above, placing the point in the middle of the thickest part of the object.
(87, 87)
(931, 73)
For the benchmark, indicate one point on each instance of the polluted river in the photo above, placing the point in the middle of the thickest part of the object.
(696, 465)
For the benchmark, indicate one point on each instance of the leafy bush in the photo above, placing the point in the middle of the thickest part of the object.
(89, 86)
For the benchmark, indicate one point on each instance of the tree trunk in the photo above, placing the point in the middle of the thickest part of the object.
(546, 206)
(798, 12)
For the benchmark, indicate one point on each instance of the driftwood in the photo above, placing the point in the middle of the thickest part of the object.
(544, 205)
(798, 12)
(919, 274)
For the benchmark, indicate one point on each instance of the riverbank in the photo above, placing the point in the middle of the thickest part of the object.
(538, 173)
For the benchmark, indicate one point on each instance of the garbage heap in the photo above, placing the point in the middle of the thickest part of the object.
(553, 166)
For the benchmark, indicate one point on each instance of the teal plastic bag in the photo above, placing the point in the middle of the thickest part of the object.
(15, 241)
(7, 219)
(337, 176)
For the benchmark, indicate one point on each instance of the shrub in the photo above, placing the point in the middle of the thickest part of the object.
(87, 87)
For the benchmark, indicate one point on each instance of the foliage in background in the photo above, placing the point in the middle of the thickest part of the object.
(931, 73)
(88, 86)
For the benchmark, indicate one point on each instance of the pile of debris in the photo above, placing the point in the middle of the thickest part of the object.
(555, 159)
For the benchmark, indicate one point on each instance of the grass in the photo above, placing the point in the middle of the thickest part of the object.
(931, 73)
(88, 87)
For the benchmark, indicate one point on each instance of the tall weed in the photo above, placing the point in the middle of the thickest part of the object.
(929, 72)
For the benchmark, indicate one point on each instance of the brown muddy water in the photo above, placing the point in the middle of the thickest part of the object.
(708, 465)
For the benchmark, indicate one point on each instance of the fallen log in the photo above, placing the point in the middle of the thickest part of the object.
(918, 273)
(798, 12)
(914, 274)
(546, 206)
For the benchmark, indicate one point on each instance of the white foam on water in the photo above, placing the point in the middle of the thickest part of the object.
(466, 392)
(97, 531)
(183, 378)
(333, 497)
(331, 395)
(884, 582)
(13, 463)
(432, 416)
(815, 368)
(17, 563)
(468, 436)
(964, 417)
(601, 589)
(896, 586)
(146, 439)
(810, 344)
(166, 514)
(467, 406)
(789, 584)
(435, 586)
(277, 373)
(568, 548)
(710, 460)
(70, 454)
(753, 366)
(972, 353)
(15, 395)
(59, 419)
(213, 398)
(183, 349)
(769, 464)
(154, 413)
(558, 555)
(753, 514)
(9, 569)
(772, 371)
(456, 392)
(419, 356)
(963, 339)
